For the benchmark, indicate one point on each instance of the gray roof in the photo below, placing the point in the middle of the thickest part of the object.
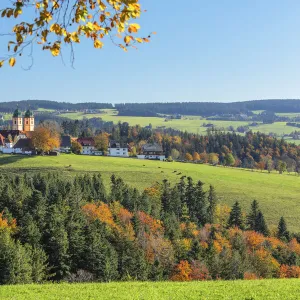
(24, 144)
(65, 141)
(152, 147)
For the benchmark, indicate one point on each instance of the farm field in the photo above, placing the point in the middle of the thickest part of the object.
(290, 115)
(278, 195)
(191, 124)
(274, 289)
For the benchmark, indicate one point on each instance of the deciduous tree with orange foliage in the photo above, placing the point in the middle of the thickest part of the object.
(196, 156)
(44, 140)
(182, 271)
(188, 157)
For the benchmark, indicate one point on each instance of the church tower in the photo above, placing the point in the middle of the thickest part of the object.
(17, 120)
(29, 121)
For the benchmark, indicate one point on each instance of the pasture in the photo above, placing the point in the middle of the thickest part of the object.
(274, 289)
(193, 124)
(278, 195)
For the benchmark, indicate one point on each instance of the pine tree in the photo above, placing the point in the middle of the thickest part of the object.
(175, 202)
(166, 197)
(252, 216)
(190, 197)
(99, 188)
(261, 225)
(283, 232)
(200, 205)
(212, 204)
(171, 224)
(15, 261)
(236, 217)
(56, 242)
(99, 256)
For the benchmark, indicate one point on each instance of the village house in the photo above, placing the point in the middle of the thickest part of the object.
(23, 146)
(118, 150)
(152, 151)
(88, 145)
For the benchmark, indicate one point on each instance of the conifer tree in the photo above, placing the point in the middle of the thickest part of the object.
(283, 232)
(261, 225)
(200, 205)
(190, 194)
(236, 217)
(212, 204)
(99, 188)
(252, 217)
(166, 200)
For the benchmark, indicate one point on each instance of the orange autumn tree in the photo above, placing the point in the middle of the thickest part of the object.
(55, 23)
(188, 157)
(196, 156)
(44, 140)
(182, 272)
(7, 225)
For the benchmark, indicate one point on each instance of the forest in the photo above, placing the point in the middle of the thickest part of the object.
(9, 107)
(207, 109)
(54, 228)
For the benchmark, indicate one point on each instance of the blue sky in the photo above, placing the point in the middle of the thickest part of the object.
(216, 50)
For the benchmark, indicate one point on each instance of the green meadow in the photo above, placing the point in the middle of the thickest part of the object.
(278, 195)
(275, 289)
(193, 124)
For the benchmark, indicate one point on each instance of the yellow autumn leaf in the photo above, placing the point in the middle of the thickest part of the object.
(74, 37)
(1, 63)
(139, 40)
(89, 17)
(102, 6)
(98, 44)
(55, 50)
(134, 27)
(127, 39)
(12, 61)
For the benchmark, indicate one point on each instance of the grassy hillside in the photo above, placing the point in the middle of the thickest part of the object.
(278, 194)
(189, 123)
(209, 290)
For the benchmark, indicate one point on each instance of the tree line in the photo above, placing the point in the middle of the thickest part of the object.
(23, 105)
(76, 229)
(207, 109)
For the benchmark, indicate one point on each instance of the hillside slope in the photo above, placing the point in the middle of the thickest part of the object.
(278, 195)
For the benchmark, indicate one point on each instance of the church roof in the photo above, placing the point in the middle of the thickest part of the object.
(28, 114)
(17, 113)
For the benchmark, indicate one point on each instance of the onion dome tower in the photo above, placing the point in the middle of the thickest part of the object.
(29, 121)
(17, 120)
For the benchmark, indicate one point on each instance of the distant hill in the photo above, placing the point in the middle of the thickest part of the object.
(208, 108)
(153, 109)
(46, 104)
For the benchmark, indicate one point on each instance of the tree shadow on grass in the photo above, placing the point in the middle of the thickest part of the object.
(6, 159)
